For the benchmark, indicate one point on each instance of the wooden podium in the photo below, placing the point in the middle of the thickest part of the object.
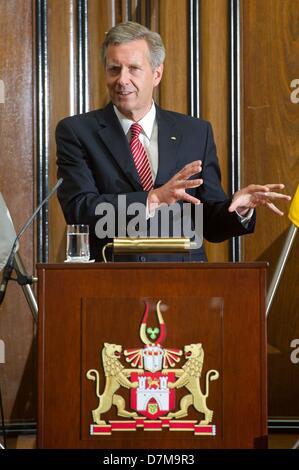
(214, 334)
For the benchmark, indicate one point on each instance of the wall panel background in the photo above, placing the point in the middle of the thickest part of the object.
(50, 66)
(17, 185)
(62, 37)
(270, 130)
(214, 96)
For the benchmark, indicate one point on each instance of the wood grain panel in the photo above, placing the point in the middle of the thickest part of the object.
(102, 308)
(100, 17)
(271, 154)
(174, 85)
(214, 68)
(17, 186)
(283, 328)
(271, 120)
(62, 61)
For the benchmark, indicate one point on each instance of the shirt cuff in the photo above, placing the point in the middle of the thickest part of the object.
(149, 214)
(245, 220)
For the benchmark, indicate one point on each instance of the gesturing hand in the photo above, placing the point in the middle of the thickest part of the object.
(175, 189)
(256, 195)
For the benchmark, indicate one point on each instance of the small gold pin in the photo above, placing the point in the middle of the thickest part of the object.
(173, 137)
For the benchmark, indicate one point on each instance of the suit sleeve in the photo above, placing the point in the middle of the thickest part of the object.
(218, 223)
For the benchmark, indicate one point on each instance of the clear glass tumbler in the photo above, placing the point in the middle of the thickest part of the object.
(77, 243)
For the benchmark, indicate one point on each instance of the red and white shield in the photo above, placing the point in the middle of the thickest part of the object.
(152, 398)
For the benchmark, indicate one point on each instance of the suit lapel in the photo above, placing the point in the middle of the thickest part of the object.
(169, 137)
(112, 134)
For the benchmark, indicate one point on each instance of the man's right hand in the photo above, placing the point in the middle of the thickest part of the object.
(175, 189)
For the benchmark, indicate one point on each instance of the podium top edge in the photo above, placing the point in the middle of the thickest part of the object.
(158, 265)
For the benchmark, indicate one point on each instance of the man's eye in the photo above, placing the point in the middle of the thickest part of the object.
(113, 69)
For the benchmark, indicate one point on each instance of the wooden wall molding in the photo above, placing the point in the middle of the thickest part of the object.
(194, 58)
(234, 160)
(83, 78)
(2, 92)
(42, 127)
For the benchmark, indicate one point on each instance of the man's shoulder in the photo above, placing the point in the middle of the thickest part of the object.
(183, 119)
(83, 118)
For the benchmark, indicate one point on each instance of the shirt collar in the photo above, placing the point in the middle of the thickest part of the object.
(147, 122)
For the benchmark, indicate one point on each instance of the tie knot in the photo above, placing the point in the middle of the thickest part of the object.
(135, 129)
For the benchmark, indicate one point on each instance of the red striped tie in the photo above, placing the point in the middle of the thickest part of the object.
(140, 158)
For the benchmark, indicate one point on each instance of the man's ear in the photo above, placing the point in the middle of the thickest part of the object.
(158, 72)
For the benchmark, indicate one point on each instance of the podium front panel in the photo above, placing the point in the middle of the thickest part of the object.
(152, 356)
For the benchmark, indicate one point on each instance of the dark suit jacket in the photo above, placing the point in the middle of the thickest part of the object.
(95, 162)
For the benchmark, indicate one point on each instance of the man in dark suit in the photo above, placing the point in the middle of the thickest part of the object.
(176, 156)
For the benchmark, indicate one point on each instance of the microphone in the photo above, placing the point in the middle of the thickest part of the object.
(10, 262)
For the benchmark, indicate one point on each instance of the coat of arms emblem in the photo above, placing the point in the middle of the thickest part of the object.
(153, 377)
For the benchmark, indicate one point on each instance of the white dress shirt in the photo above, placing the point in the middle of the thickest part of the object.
(148, 136)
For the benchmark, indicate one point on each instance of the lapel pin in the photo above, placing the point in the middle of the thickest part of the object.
(173, 137)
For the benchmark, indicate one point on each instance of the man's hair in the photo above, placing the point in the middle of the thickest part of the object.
(130, 31)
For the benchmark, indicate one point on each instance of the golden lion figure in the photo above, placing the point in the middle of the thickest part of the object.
(189, 377)
(116, 377)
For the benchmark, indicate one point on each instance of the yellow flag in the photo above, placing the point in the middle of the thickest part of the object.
(294, 209)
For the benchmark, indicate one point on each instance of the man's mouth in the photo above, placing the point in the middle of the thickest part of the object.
(124, 93)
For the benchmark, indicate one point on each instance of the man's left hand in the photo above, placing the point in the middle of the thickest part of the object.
(256, 195)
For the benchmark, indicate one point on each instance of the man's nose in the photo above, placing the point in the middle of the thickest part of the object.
(123, 77)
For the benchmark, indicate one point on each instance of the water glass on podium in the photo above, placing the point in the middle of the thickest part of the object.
(77, 244)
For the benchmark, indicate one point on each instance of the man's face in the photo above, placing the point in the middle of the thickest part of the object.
(130, 78)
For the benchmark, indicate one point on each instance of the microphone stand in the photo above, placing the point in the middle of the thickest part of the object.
(14, 262)
(2, 423)
(26, 287)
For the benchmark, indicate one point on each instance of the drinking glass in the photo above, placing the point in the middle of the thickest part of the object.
(77, 243)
